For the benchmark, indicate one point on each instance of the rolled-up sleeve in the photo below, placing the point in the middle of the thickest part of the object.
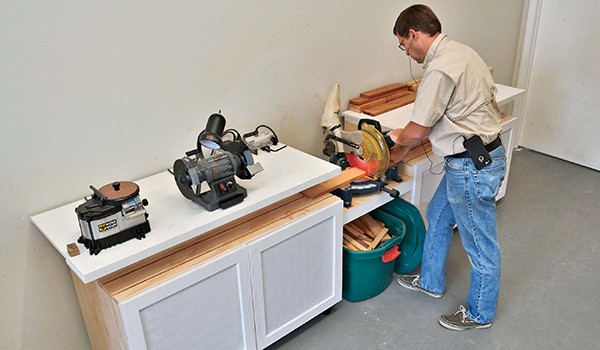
(433, 96)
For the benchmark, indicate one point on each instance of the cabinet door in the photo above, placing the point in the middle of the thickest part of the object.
(207, 307)
(296, 272)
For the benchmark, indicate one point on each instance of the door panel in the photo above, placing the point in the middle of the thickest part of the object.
(208, 307)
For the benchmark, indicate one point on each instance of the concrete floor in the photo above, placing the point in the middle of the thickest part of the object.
(549, 231)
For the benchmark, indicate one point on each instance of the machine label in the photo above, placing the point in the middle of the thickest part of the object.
(107, 225)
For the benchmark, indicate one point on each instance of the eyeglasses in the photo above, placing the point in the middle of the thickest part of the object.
(401, 46)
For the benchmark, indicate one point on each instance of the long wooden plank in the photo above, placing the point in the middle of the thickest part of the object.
(343, 179)
(386, 107)
(192, 255)
(377, 101)
(239, 239)
(173, 250)
(383, 90)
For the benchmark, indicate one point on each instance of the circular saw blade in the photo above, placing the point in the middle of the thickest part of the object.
(376, 154)
(183, 179)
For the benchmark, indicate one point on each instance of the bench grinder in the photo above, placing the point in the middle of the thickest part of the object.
(228, 159)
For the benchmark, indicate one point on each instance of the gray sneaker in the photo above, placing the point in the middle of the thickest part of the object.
(460, 321)
(412, 282)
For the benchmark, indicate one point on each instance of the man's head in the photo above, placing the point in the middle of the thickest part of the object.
(416, 29)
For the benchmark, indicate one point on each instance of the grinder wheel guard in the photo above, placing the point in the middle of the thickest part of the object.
(376, 154)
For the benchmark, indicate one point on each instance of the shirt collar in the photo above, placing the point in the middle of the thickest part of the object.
(433, 49)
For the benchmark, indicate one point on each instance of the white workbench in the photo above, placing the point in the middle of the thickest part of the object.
(174, 219)
(399, 117)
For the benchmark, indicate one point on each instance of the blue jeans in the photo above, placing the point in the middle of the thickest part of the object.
(467, 197)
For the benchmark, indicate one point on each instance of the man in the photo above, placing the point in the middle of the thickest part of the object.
(455, 102)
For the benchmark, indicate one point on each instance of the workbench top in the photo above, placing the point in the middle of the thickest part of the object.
(399, 117)
(174, 219)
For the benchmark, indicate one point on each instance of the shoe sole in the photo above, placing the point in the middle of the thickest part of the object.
(456, 328)
(424, 291)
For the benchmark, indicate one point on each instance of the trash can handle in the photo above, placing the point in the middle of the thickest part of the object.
(390, 254)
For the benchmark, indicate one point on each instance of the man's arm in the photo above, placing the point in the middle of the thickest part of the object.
(405, 139)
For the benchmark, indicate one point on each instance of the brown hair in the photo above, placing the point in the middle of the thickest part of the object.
(418, 17)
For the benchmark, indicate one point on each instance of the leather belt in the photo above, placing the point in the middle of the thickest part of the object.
(489, 147)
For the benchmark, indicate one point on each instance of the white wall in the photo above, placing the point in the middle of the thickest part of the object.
(93, 92)
(563, 90)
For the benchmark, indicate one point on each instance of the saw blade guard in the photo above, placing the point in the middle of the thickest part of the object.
(376, 154)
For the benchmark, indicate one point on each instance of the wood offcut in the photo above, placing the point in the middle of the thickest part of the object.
(364, 234)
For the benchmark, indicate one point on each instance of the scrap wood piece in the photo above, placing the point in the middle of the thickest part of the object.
(384, 90)
(345, 178)
(355, 243)
(359, 108)
(349, 245)
(377, 239)
(371, 224)
(360, 226)
(73, 249)
(386, 107)
(353, 232)
(358, 236)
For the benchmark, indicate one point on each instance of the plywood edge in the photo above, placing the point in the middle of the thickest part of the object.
(161, 270)
(101, 314)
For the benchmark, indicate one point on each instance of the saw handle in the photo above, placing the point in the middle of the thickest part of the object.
(393, 193)
(372, 122)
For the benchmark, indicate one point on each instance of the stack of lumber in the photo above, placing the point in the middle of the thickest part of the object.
(383, 99)
(365, 233)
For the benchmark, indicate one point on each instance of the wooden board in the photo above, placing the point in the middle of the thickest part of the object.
(346, 177)
(377, 101)
(419, 150)
(386, 107)
(101, 315)
(143, 276)
(383, 90)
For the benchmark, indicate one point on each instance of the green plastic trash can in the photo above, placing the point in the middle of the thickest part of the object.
(368, 273)
(412, 244)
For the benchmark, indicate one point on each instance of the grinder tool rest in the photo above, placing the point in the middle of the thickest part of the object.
(114, 214)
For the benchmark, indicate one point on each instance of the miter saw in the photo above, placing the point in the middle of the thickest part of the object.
(366, 148)
(228, 159)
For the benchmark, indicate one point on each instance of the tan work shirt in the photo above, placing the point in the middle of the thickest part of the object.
(456, 97)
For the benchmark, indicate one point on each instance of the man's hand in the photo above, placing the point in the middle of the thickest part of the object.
(395, 135)
(397, 153)
(405, 139)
